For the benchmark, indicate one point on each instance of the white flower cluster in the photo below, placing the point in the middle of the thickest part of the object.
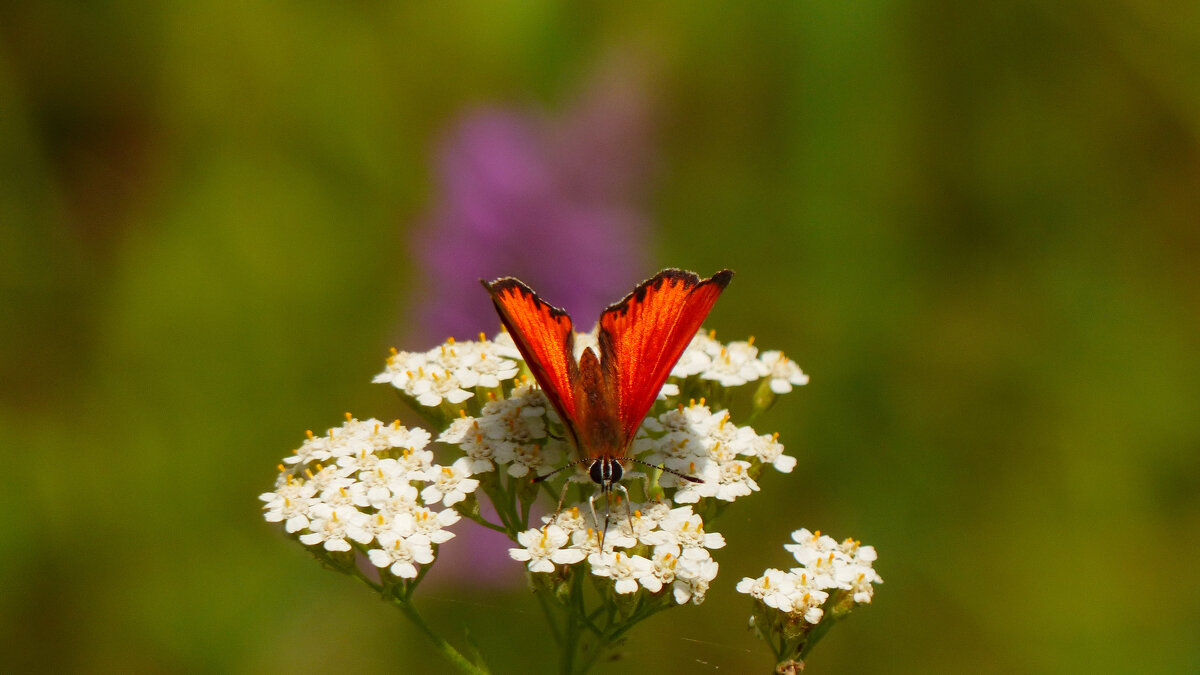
(371, 486)
(697, 442)
(655, 548)
(509, 431)
(374, 484)
(451, 371)
(736, 363)
(825, 566)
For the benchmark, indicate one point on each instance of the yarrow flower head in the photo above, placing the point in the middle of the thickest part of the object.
(452, 371)
(830, 580)
(367, 487)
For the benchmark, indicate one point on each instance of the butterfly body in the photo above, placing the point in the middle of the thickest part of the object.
(603, 397)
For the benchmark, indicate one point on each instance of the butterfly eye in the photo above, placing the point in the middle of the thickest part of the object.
(596, 472)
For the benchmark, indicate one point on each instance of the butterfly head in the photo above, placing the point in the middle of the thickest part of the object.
(605, 472)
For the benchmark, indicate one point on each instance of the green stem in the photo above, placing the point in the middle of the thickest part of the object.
(488, 524)
(525, 508)
(551, 620)
(571, 637)
(815, 636)
(570, 645)
(400, 595)
(452, 655)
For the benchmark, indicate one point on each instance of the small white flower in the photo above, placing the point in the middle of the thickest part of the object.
(332, 526)
(529, 458)
(627, 572)
(544, 549)
(327, 477)
(735, 481)
(381, 437)
(671, 446)
(685, 529)
(482, 452)
(459, 430)
(769, 450)
(686, 492)
(693, 577)
(449, 484)
(436, 384)
(451, 355)
(433, 524)
(490, 364)
(402, 498)
(718, 430)
(401, 369)
(862, 587)
(807, 597)
(315, 449)
(569, 519)
(377, 482)
(354, 495)
(381, 521)
(775, 588)
(401, 555)
(587, 542)
(782, 372)
(735, 365)
(520, 418)
(810, 546)
(349, 465)
(690, 419)
(664, 561)
(638, 525)
(857, 561)
(290, 503)
(412, 464)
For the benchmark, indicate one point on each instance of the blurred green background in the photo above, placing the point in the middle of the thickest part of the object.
(976, 226)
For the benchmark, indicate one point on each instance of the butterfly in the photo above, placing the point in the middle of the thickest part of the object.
(603, 398)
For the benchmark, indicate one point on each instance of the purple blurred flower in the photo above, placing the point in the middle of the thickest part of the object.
(554, 202)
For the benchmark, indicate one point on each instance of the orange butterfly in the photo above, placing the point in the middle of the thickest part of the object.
(603, 398)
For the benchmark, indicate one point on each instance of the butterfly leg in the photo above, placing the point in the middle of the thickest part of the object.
(646, 486)
(562, 496)
(592, 505)
(628, 508)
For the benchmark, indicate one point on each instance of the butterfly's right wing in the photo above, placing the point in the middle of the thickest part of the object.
(645, 334)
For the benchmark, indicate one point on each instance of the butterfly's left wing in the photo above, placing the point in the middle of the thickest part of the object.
(646, 333)
(545, 338)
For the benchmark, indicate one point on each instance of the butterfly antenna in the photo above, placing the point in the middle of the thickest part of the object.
(673, 472)
(546, 476)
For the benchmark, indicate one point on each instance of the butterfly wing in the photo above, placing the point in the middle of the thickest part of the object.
(544, 336)
(646, 333)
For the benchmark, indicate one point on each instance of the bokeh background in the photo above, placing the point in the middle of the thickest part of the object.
(975, 225)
